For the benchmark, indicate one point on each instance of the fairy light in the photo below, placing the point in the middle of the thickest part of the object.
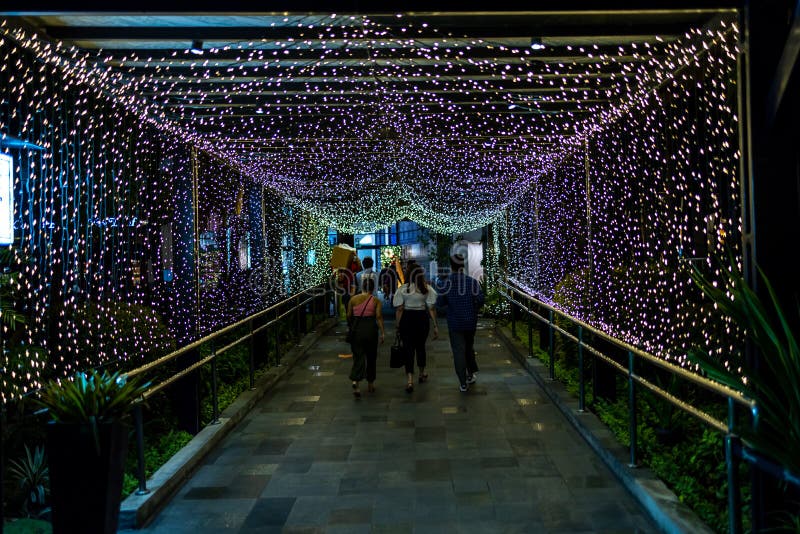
(415, 127)
(663, 192)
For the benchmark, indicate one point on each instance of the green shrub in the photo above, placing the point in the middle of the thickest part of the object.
(28, 526)
(155, 455)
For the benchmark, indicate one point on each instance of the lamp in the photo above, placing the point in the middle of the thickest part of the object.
(537, 44)
(197, 48)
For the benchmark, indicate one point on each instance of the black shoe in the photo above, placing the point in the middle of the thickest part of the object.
(409, 387)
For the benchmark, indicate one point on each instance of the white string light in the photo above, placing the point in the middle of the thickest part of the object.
(428, 137)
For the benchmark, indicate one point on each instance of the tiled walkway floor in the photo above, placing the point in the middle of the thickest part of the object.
(311, 459)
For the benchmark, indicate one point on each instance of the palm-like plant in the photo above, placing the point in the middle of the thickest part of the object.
(33, 478)
(94, 397)
(775, 384)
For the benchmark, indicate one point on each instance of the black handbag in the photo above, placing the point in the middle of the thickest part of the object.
(351, 330)
(397, 357)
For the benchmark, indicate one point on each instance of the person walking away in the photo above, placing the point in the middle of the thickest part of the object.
(414, 302)
(368, 272)
(461, 297)
(389, 281)
(365, 316)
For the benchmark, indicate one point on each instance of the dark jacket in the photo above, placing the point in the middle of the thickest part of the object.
(460, 297)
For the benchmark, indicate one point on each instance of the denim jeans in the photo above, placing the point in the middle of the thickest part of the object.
(462, 344)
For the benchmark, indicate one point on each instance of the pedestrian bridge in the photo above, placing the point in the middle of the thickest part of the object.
(310, 458)
(170, 181)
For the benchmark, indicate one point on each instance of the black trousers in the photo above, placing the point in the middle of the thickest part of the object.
(365, 350)
(414, 329)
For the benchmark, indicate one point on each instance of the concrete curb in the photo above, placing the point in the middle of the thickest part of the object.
(661, 504)
(137, 510)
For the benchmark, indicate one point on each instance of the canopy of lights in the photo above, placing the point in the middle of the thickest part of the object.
(599, 147)
(376, 118)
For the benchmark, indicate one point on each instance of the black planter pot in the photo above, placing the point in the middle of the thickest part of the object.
(86, 486)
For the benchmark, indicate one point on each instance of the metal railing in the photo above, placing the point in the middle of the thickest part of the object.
(520, 299)
(317, 299)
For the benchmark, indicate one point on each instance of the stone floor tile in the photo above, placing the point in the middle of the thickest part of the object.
(310, 459)
(269, 511)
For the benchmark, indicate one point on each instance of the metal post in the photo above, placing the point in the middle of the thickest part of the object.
(530, 332)
(581, 385)
(314, 311)
(214, 397)
(297, 326)
(252, 357)
(196, 236)
(732, 465)
(138, 422)
(552, 349)
(277, 329)
(513, 320)
(632, 409)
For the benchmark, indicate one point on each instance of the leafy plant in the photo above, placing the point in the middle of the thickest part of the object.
(28, 526)
(157, 452)
(775, 384)
(666, 416)
(33, 479)
(93, 397)
(10, 315)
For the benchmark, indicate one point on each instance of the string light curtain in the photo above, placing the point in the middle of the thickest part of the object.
(649, 189)
(104, 224)
(652, 123)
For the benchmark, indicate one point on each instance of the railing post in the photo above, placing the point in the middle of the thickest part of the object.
(732, 465)
(252, 357)
(632, 409)
(530, 330)
(314, 310)
(297, 327)
(139, 429)
(513, 319)
(552, 348)
(214, 396)
(277, 328)
(581, 384)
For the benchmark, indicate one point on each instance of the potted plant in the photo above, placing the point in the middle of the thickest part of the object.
(87, 442)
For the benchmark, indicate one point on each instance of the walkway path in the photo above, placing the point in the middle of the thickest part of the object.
(311, 459)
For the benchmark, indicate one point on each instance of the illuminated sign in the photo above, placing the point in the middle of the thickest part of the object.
(6, 199)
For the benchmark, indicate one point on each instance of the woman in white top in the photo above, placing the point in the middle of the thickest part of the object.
(415, 306)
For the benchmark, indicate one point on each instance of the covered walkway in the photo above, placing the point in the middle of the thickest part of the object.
(310, 458)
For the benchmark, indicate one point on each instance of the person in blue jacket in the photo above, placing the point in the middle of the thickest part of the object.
(461, 298)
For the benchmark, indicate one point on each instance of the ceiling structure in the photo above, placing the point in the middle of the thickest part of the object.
(440, 117)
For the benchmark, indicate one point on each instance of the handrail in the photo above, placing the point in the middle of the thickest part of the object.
(734, 448)
(699, 414)
(195, 344)
(710, 385)
(298, 302)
